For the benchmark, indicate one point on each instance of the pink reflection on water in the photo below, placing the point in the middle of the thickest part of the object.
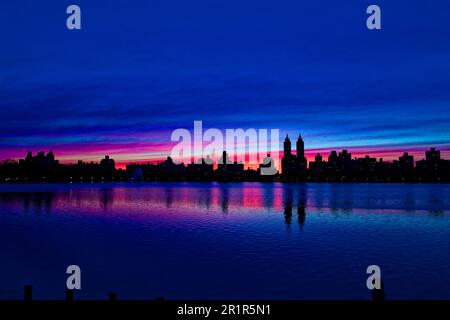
(197, 200)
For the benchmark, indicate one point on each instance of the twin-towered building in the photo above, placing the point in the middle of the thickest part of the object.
(294, 167)
(341, 167)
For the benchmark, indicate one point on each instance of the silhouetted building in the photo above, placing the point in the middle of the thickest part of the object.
(251, 175)
(301, 156)
(228, 170)
(40, 167)
(293, 167)
(107, 168)
(406, 161)
(202, 170)
(433, 168)
(332, 158)
(171, 171)
(433, 155)
(318, 158)
(403, 168)
(317, 167)
(340, 167)
(287, 147)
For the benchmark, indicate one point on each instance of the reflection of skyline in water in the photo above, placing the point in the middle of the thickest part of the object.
(230, 198)
(164, 239)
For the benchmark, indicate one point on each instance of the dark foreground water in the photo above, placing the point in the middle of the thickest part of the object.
(236, 240)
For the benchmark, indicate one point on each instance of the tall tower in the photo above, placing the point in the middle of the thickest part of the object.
(300, 148)
(224, 159)
(287, 146)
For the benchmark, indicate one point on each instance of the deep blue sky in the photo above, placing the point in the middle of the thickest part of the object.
(139, 69)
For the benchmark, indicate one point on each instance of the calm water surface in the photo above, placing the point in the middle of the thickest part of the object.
(231, 240)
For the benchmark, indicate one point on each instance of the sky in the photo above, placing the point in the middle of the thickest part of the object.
(138, 70)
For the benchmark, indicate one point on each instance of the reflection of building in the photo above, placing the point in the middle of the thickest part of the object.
(301, 213)
(287, 215)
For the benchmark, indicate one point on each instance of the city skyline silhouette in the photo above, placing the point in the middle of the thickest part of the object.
(294, 167)
(346, 87)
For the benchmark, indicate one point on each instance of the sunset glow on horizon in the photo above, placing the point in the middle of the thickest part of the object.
(122, 89)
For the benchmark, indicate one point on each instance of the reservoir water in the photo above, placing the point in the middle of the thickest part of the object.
(225, 240)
